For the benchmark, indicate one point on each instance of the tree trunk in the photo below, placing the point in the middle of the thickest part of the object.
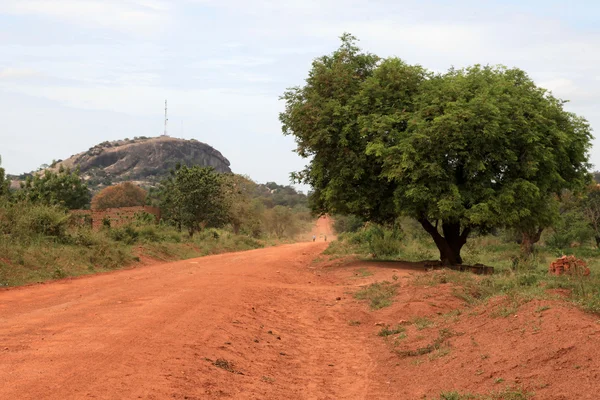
(450, 244)
(530, 238)
(597, 241)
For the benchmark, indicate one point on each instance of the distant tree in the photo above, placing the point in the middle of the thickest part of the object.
(194, 198)
(591, 210)
(64, 188)
(467, 150)
(125, 194)
(4, 182)
(280, 221)
(243, 215)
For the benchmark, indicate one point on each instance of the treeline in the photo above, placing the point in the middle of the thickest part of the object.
(204, 212)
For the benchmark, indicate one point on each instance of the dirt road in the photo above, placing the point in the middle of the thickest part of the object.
(158, 331)
(274, 323)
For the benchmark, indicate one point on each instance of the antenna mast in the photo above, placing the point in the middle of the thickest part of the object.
(166, 119)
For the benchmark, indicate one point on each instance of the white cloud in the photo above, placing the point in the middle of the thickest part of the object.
(18, 73)
(134, 16)
(234, 61)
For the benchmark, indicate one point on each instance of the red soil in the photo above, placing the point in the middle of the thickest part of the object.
(281, 321)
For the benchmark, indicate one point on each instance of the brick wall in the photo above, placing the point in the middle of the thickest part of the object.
(117, 216)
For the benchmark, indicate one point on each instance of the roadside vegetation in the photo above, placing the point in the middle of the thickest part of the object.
(40, 240)
(517, 277)
(469, 166)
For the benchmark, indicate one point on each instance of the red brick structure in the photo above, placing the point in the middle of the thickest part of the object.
(116, 216)
(569, 265)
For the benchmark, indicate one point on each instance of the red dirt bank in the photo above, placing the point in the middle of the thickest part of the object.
(273, 315)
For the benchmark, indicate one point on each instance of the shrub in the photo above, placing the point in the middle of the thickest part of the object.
(40, 220)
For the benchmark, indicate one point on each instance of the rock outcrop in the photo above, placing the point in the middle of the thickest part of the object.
(145, 160)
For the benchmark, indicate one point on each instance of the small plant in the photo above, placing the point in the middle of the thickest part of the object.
(387, 331)
(422, 323)
(224, 364)
(379, 294)
(59, 273)
(354, 323)
(363, 272)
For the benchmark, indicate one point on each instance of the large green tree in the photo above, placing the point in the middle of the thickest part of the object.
(194, 198)
(64, 188)
(470, 149)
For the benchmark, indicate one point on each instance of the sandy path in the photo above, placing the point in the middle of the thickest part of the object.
(153, 332)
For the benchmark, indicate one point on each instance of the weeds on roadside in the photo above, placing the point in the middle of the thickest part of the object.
(509, 393)
(387, 331)
(379, 294)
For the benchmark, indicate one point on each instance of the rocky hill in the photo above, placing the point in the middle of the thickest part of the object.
(145, 160)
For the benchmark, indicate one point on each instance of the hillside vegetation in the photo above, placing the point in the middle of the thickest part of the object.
(41, 240)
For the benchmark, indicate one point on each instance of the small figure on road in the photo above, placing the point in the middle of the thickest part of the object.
(314, 238)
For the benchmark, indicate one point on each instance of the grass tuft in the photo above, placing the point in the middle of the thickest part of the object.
(378, 294)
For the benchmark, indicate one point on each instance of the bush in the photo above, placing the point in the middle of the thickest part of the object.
(126, 234)
(40, 220)
(349, 223)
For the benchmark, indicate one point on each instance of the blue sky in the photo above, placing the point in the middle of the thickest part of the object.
(74, 73)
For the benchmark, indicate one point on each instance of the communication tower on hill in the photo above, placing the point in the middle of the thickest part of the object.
(166, 119)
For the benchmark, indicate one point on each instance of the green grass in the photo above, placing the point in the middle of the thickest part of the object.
(520, 281)
(387, 331)
(37, 258)
(422, 323)
(363, 273)
(508, 393)
(378, 294)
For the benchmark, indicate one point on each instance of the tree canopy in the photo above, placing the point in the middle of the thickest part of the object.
(125, 194)
(194, 198)
(474, 148)
(64, 188)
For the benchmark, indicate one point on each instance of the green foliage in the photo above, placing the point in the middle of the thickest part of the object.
(281, 221)
(387, 331)
(271, 194)
(571, 228)
(63, 188)
(24, 220)
(379, 294)
(4, 182)
(194, 198)
(244, 210)
(509, 393)
(591, 209)
(477, 148)
(347, 223)
(40, 242)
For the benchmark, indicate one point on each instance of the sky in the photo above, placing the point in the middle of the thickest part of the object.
(74, 73)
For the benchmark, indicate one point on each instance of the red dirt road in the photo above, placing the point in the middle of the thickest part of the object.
(280, 318)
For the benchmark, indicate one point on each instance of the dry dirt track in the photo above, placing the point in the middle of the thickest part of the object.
(150, 332)
(281, 317)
